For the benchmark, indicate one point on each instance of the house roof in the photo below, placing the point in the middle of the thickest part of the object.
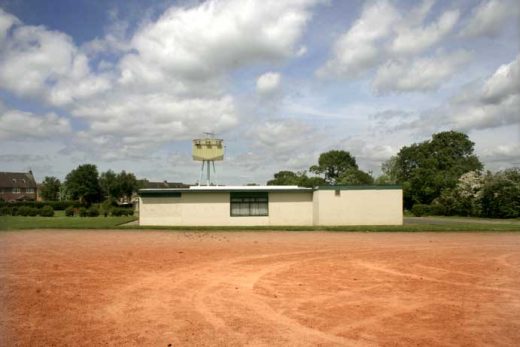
(17, 180)
(165, 192)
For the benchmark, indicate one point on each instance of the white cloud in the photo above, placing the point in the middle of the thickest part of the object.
(38, 62)
(422, 74)
(6, 22)
(488, 18)
(505, 82)
(489, 104)
(20, 126)
(356, 50)
(268, 83)
(411, 40)
(215, 36)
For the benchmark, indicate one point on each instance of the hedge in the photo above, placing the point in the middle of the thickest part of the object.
(56, 205)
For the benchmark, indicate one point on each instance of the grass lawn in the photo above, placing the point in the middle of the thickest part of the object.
(59, 221)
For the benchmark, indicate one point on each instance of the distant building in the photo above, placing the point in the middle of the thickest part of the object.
(271, 205)
(18, 186)
(164, 184)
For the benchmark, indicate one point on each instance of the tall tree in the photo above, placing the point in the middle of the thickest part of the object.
(334, 164)
(50, 189)
(127, 184)
(83, 184)
(110, 184)
(425, 169)
(285, 178)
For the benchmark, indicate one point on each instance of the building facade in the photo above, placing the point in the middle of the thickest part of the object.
(18, 186)
(271, 205)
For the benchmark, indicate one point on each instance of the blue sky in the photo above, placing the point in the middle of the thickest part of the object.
(128, 84)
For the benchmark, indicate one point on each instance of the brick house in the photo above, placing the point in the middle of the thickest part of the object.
(17, 186)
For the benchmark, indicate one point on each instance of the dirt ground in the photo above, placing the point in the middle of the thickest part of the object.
(151, 288)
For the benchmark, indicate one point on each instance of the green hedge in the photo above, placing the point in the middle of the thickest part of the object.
(56, 205)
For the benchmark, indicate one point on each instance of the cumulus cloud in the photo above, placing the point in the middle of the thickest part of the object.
(488, 18)
(51, 65)
(168, 82)
(17, 125)
(390, 40)
(492, 103)
(268, 83)
(356, 50)
(422, 75)
(412, 40)
(203, 41)
(6, 22)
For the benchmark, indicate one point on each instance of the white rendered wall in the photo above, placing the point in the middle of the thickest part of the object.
(359, 207)
(202, 208)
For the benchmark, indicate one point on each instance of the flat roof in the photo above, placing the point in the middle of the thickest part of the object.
(213, 189)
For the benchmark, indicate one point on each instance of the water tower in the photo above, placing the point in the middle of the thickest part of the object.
(208, 150)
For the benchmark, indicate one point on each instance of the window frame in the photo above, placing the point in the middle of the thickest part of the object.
(249, 198)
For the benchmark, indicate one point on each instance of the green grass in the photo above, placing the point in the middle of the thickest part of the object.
(61, 222)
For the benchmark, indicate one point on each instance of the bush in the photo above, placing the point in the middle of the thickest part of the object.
(420, 210)
(23, 211)
(6, 211)
(117, 212)
(93, 212)
(56, 205)
(47, 211)
(33, 211)
(69, 211)
(82, 212)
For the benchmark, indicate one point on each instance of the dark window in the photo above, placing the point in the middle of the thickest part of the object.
(249, 204)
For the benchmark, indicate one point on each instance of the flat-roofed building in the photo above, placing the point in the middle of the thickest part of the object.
(271, 205)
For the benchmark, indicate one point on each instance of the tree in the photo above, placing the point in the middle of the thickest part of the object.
(109, 184)
(83, 184)
(285, 178)
(427, 168)
(334, 164)
(355, 176)
(127, 184)
(50, 188)
(500, 196)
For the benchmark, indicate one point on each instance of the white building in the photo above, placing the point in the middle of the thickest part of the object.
(272, 205)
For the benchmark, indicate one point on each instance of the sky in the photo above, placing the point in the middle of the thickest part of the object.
(126, 85)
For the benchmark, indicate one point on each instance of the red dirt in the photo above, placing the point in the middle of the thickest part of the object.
(268, 288)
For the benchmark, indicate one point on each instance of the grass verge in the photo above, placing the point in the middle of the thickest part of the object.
(62, 222)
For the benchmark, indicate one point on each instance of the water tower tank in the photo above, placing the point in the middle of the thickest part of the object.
(208, 149)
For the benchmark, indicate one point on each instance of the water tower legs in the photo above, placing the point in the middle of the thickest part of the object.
(208, 171)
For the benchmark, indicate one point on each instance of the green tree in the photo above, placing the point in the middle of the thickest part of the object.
(290, 178)
(334, 164)
(109, 184)
(50, 189)
(427, 168)
(500, 196)
(355, 176)
(83, 184)
(127, 184)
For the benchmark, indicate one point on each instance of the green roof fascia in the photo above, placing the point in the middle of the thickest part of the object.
(361, 187)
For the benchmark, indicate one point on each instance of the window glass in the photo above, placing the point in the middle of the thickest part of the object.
(249, 204)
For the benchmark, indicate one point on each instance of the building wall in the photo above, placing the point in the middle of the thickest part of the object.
(202, 208)
(359, 207)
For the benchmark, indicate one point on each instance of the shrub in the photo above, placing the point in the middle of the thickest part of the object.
(93, 212)
(117, 212)
(421, 210)
(6, 211)
(33, 211)
(23, 211)
(82, 212)
(69, 211)
(47, 211)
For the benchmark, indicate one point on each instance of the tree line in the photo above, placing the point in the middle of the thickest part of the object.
(441, 176)
(86, 185)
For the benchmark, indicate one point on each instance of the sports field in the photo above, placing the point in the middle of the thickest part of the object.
(159, 288)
